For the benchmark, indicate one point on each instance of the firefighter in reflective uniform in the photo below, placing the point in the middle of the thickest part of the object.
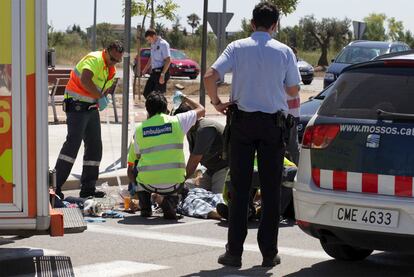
(158, 147)
(85, 95)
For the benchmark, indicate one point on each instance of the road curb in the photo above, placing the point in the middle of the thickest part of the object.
(73, 183)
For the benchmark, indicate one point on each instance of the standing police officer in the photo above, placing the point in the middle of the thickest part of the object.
(264, 70)
(89, 80)
(159, 62)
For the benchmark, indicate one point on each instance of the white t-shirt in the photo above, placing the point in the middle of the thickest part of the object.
(186, 120)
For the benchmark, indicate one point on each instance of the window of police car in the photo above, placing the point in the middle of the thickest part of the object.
(362, 92)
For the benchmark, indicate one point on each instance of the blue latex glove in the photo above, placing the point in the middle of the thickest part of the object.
(103, 103)
(132, 188)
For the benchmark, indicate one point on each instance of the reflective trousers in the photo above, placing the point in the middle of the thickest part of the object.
(86, 127)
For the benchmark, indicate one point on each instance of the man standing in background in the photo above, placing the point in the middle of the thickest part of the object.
(159, 62)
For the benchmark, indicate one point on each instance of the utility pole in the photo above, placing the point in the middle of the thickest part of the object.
(125, 83)
(94, 27)
(203, 55)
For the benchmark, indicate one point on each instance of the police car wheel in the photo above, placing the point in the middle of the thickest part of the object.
(345, 252)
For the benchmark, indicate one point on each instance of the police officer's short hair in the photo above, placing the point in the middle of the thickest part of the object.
(265, 15)
(115, 45)
(156, 103)
(150, 33)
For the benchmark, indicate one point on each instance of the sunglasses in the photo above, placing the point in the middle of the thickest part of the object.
(113, 59)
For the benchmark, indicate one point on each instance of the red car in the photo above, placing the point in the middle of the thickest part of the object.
(180, 64)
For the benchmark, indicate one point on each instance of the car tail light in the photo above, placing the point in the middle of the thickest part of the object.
(303, 224)
(401, 63)
(319, 136)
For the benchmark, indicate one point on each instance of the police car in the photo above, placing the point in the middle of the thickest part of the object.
(354, 189)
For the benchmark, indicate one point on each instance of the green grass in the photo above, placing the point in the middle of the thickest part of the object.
(69, 56)
(195, 54)
(312, 57)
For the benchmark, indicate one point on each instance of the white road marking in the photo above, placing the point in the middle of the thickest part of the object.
(166, 226)
(209, 242)
(23, 251)
(115, 269)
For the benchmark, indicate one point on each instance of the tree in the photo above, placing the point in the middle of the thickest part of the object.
(246, 30)
(375, 27)
(408, 38)
(104, 34)
(395, 29)
(193, 20)
(176, 37)
(292, 36)
(160, 29)
(285, 6)
(155, 10)
(54, 38)
(324, 32)
(76, 29)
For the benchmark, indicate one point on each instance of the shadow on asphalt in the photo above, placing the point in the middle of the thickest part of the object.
(379, 264)
(11, 239)
(32, 262)
(154, 220)
(231, 271)
(255, 224)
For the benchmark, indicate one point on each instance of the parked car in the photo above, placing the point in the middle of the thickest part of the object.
(180, 64)
(306, 71)
(309, 108)
(360, 51)
(354, 190)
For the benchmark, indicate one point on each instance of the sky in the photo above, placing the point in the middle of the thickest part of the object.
(64, 13)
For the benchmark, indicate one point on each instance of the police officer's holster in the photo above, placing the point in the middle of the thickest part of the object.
(226, 133)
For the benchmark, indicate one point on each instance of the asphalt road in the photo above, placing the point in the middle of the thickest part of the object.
(134, 246)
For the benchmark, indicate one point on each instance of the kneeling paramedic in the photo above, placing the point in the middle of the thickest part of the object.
(158, 147)
(85, 94)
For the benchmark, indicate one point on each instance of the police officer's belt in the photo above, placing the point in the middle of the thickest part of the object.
(282, 121)
(70, 105)
(157, 70)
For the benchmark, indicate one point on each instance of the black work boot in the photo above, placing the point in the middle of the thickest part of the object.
(271, 261)
(144, 198)
(91, 193)
(229, 260)
(169, 207)
(223, 210)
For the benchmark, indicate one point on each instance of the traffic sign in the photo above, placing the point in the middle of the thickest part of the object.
(215, 19)
(359, 29)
